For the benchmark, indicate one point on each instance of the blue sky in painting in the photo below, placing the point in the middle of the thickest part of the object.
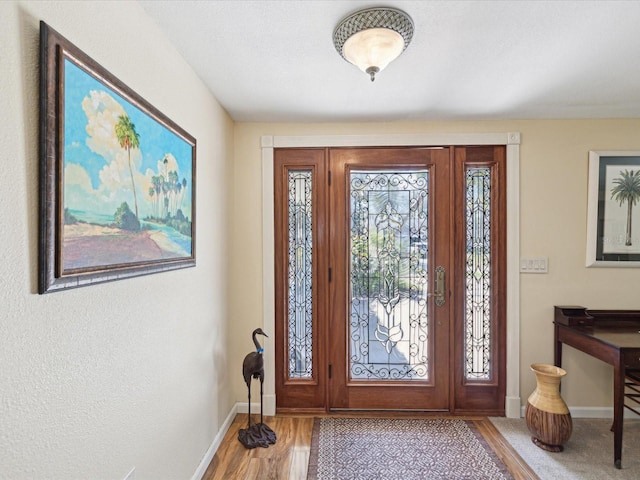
(97, 178)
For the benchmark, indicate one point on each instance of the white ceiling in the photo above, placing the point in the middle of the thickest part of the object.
(275, 60)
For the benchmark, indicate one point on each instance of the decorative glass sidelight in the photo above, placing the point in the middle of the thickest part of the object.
(478, 275)
(389, 323)
(300, 251)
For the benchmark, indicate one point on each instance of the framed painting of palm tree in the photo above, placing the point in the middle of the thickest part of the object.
(613, 221)
(117, 177)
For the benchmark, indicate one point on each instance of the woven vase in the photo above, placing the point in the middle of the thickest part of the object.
(547, 416)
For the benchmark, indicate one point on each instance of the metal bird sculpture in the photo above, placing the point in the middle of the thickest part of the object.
(253, 367)
(259, 434)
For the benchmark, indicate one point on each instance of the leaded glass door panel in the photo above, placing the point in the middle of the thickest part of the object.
(479, 281)
(300, 185)
(391, 348)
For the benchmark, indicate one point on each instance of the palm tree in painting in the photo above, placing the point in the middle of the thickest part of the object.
(128, 139)
(156, 180)
(184, 189)
(627, 189)
(152, 192)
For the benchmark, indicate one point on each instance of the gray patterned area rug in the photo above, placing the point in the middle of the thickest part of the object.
(401, 448)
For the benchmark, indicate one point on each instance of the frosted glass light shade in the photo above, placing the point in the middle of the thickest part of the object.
(374, 47)
(372, 38)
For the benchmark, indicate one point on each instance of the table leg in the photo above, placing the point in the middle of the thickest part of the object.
(557, 350)
(618, 411)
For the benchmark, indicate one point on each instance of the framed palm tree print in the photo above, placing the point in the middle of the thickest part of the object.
(117, 177)
(613, 221)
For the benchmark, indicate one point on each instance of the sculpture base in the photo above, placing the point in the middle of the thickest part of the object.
(257, 435)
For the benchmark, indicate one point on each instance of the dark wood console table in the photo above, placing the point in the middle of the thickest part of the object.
(612, 336)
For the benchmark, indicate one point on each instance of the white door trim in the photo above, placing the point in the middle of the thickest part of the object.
(512, 142)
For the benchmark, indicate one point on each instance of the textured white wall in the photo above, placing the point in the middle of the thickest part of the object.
(98, 380)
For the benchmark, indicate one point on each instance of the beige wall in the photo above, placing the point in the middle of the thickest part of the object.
(553, 200)
(98, 380)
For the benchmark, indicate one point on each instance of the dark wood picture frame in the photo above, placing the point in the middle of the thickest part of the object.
(83, 239)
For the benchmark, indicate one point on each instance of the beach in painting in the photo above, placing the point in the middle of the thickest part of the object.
(90, 245)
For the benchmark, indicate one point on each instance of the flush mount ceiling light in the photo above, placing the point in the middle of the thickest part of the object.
(372, 38)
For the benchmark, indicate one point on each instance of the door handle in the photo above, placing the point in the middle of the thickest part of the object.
(439, 286)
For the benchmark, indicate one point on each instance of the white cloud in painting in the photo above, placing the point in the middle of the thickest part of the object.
(103, 112)
(79, 194)
(102, 116)
(74, 174)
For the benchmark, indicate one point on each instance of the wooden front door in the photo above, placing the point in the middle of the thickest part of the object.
(391, 214)
(389, 264)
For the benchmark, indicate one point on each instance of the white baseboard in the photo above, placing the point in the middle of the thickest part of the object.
(211, 451)
(591, 412)
(598, 412)
(512, 407)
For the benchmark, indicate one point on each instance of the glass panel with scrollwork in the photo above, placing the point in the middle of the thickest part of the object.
(389, 246)
(478, 274)
(300, 254)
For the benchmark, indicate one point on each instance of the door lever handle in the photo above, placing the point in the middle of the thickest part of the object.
(439, 286)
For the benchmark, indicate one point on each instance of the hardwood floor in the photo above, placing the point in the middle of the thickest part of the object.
(288, 458)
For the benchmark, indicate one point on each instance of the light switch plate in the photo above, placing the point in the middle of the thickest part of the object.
(534, 265)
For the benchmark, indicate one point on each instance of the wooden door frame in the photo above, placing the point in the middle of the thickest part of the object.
(512, 142)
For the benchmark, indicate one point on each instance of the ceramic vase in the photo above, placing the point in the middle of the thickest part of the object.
(547, 416)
